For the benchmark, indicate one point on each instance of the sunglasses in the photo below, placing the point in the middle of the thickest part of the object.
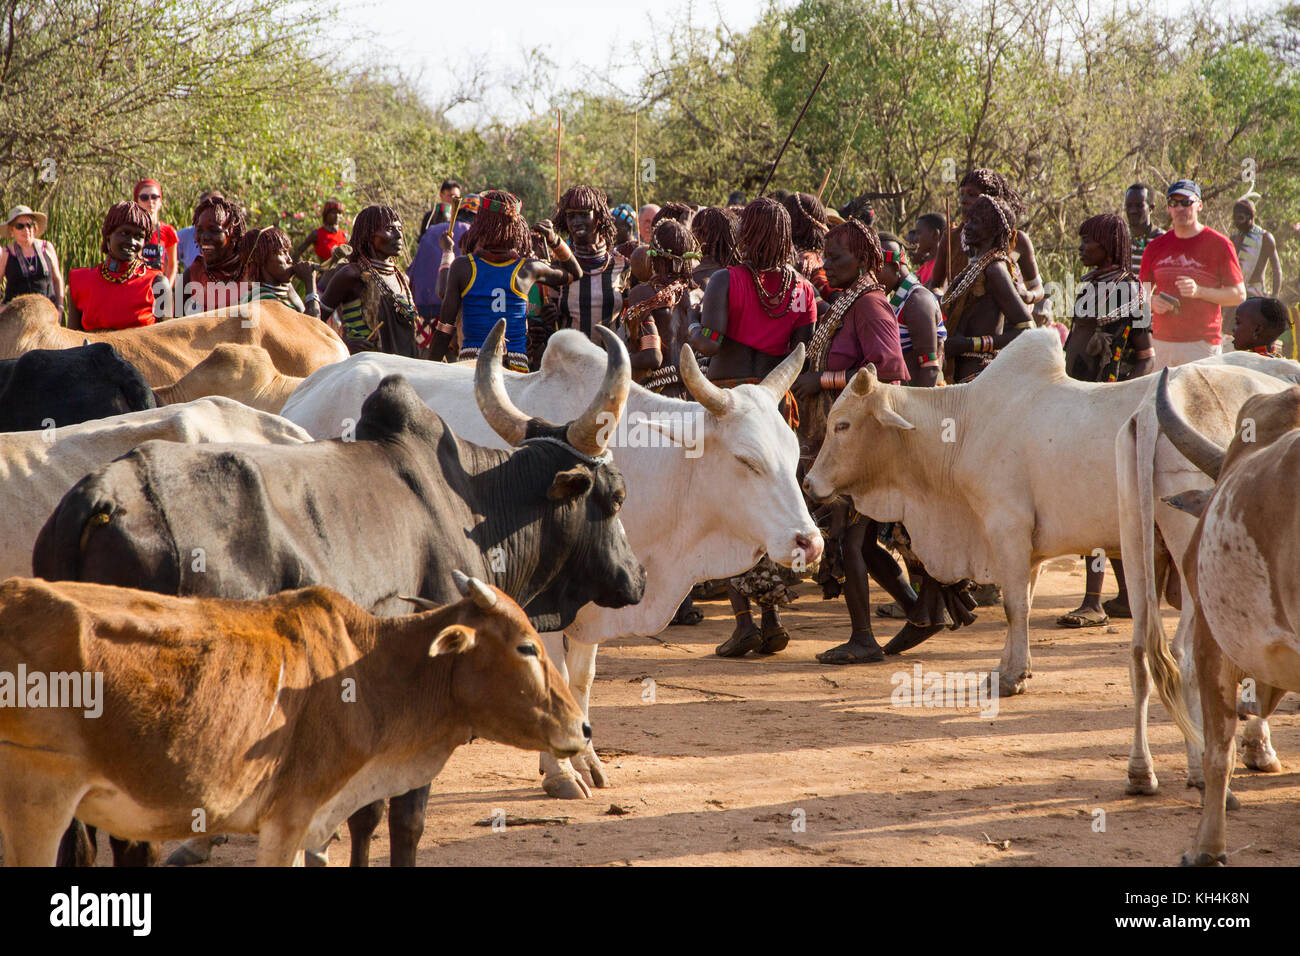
(146, 197)
(1184, 202)
(24, 225)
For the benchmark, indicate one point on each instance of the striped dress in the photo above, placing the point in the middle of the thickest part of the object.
(597, 298)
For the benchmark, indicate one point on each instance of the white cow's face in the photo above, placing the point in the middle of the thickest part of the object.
(860, 422)
(757, 456)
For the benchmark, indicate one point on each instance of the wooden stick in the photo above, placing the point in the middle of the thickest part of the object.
(636, 163)
(771, 172)
(559, 129)
(455, 208)
(947, 236)
(825, 180)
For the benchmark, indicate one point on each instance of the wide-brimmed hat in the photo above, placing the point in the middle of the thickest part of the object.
(24, 211)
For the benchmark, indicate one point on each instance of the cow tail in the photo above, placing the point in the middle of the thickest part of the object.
(62, 543)
(1160, 662)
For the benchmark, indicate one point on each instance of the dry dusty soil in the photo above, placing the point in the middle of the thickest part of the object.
(732, 755)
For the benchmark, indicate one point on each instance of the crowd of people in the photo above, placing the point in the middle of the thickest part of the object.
(743, 284)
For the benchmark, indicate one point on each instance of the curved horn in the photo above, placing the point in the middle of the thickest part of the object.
(1191, 444)
(490, 390)
(473, 588)
(590, 431)
(424, 604)
(779, 380)
(714, 399)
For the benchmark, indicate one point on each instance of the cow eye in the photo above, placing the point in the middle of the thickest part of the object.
(528, 650)
(841, 426)
(749, 464)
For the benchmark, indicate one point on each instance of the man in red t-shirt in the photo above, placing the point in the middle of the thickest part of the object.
(1188, 274)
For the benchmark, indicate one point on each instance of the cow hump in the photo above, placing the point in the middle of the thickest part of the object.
(394, 410)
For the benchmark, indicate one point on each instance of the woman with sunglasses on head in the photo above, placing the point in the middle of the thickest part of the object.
(160, 245)
(29, 263)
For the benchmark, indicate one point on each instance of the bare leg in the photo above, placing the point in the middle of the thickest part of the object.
(746, 637)
(861, 647)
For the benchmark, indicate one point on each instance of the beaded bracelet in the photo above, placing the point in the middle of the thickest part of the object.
(711, 335)
(445, 328)
(650, 342)
(928, 359)
(833, 381)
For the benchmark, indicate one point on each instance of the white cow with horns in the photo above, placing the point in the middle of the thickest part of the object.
(711, 485)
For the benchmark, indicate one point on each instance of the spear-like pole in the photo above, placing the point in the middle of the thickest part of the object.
(771, 172)
(636, 159)
(558, 133)
(947, 236)
(825, 180)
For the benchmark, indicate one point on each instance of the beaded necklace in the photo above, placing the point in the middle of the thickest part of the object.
(136, 269)
(768, 301)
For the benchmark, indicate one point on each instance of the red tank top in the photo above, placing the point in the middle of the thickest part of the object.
(111, 305)
(749, 325)
(326, 241)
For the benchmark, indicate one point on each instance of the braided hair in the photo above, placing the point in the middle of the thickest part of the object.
(1111, 233)
(370, 221)
(764, 240)
(260, 246)
(670, 245)
(679, 211)
(994, 184)
(498, 225)
(807, 221)
(124, 214)
(860, 241)
(996, 219)
(715, 227)
(587, 197)
(229, 217)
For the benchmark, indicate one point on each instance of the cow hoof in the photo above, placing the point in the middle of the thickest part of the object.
(590, 769)
(1142, 785)
(567, 787)
(187, 854)
(1010, 688)
(1203, 859)
(1262, 759)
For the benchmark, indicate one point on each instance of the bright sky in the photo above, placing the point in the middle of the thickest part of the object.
(436, 42)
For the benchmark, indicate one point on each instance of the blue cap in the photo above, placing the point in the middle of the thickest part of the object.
(625, 214)
(1183, 187)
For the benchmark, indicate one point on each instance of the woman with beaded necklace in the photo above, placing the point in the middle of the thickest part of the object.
(372, 295)
(658, 312)
(752, 317)
(212, 280)
(120, 292)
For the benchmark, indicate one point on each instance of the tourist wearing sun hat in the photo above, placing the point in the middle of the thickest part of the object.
(29, 263)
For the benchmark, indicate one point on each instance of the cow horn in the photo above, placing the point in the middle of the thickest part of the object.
(714, 399)
(490, 390)
(1191, 444)
(590, 431)
(424, 604)
(779, 380)
(473, 588)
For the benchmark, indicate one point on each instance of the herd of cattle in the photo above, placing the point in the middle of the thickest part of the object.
(226, 520)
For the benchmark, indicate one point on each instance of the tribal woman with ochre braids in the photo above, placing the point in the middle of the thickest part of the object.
(753, 316)
(715, 229)
(597, 297)
(492, 280)
(372, 295)
(658, 312)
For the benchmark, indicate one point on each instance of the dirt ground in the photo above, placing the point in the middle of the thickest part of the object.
(733, 754)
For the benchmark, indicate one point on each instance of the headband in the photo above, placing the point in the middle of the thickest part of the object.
(509, 207)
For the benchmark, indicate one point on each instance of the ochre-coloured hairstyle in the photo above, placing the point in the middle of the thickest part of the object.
(370, 221)
(860, 241)
(261, 246)
(227, 214)
(587, 197)
(679, 211)
(715, 227)
(996, 217)
(1111, 233)
(807, 221)
(763, 241)
(499, 225)
(668, 243)
(994, 184)
(124, 214)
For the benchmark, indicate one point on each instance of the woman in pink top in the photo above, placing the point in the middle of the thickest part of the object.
(753, 316)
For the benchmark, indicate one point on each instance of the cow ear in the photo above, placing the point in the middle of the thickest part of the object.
(672, 429)
(1193, 502)
(891, 419)
(570, 484)
(454, 639)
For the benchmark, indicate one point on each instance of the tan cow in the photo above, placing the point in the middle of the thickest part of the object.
(1241, 573)
(278, 717)
(242, 372)
(297, 343)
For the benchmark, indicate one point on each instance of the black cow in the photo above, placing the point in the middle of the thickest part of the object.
(390, 513)
(69, 386)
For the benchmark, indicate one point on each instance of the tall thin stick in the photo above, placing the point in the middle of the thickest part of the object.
(947, 236)
(559, 129)
(636, 163)
(825, 180)
(816, 86)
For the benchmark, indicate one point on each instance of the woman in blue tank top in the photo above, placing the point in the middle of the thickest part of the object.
(492, 280)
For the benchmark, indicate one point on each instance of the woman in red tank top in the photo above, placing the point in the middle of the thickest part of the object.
(323, 240)
(119, 293)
